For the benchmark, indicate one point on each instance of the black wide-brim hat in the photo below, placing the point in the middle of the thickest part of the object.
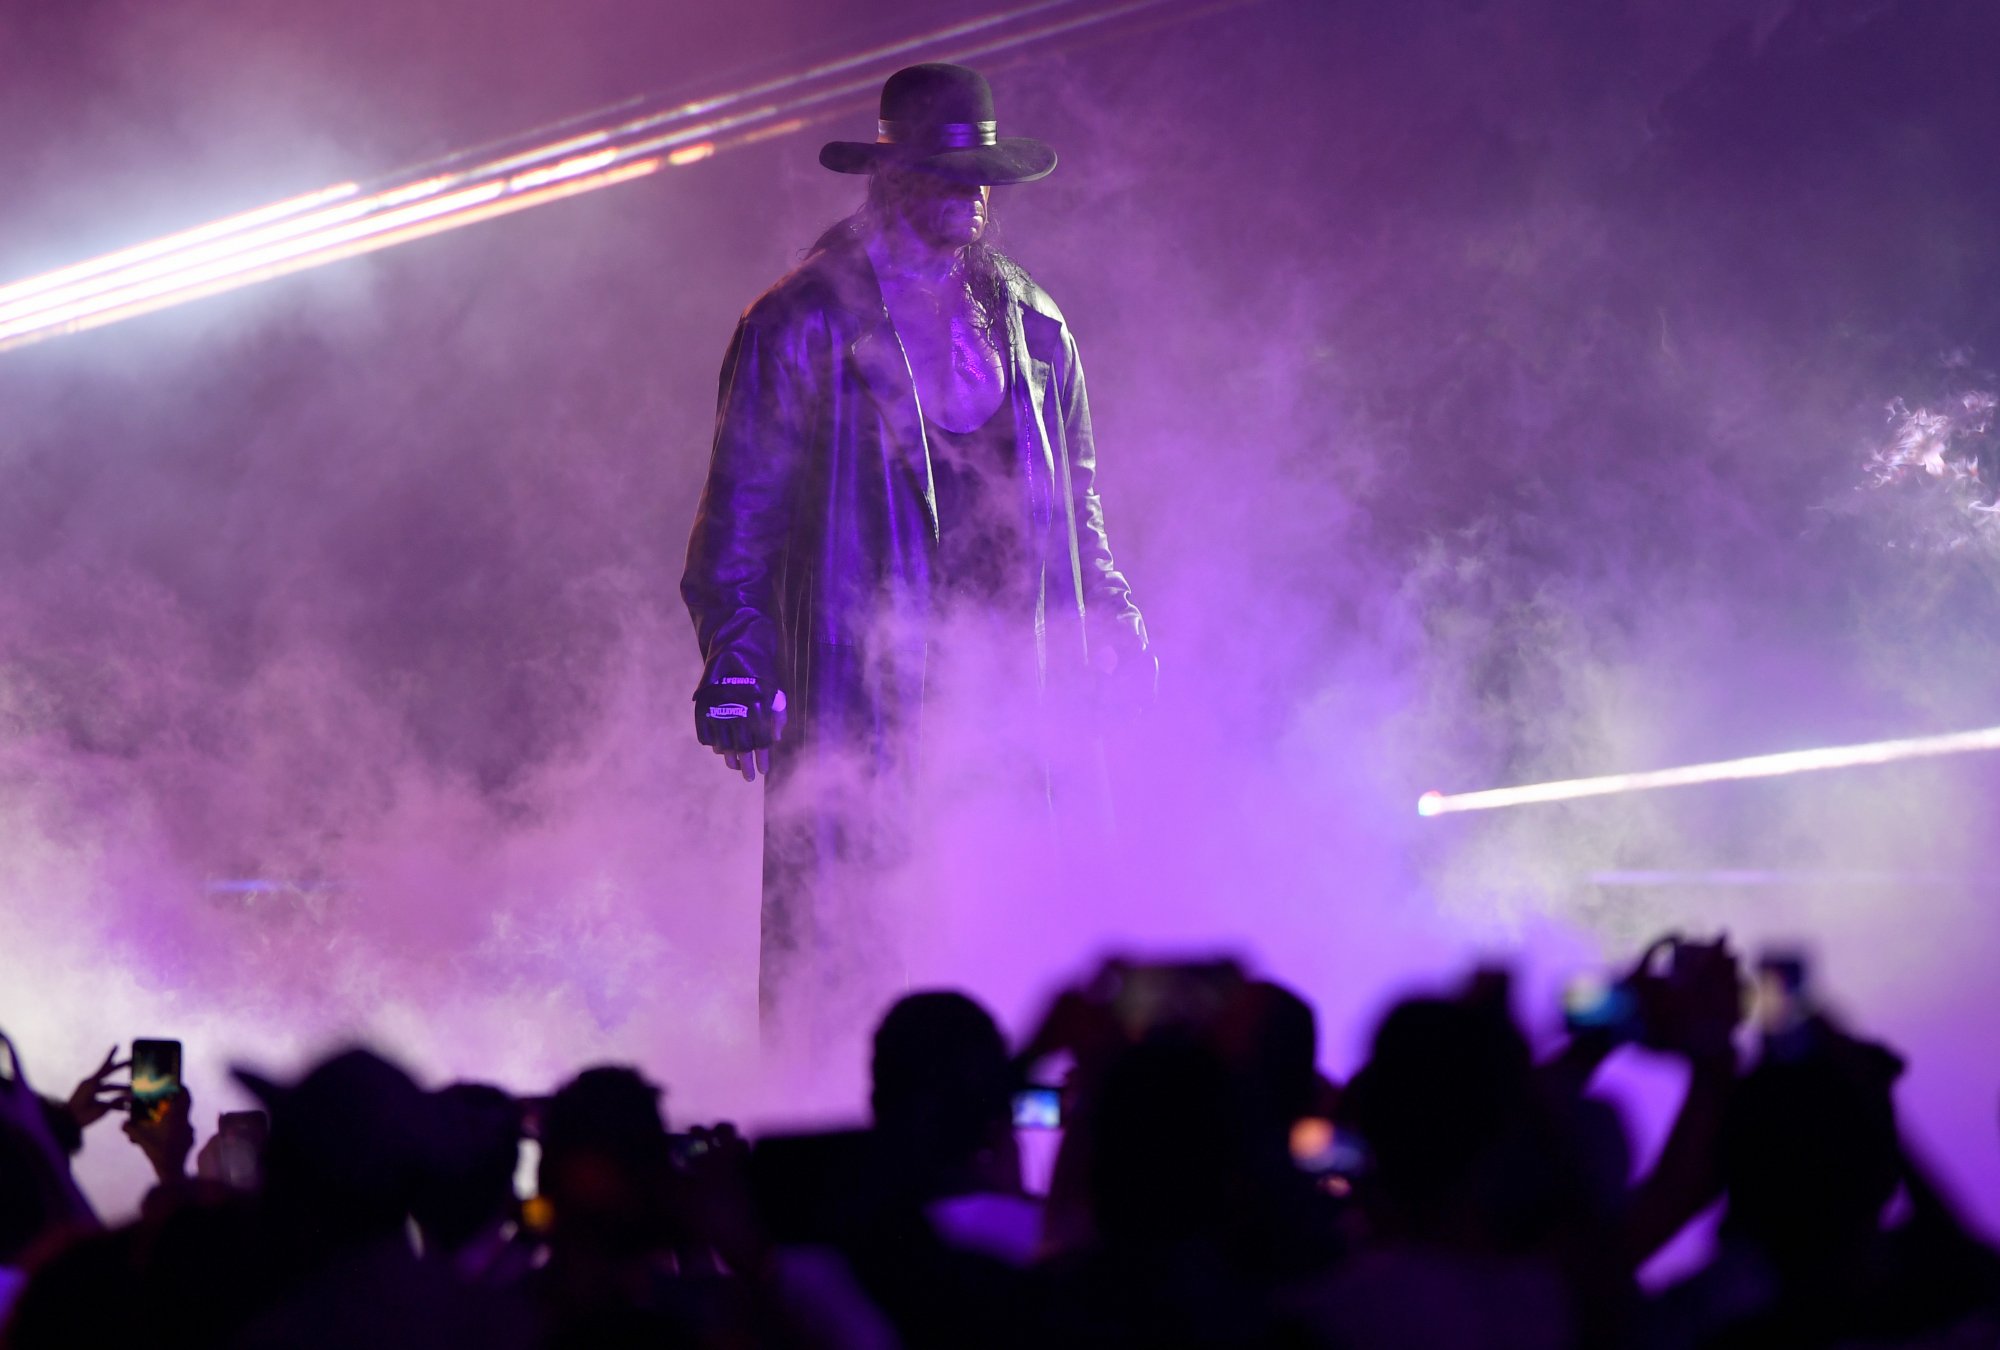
(938, 119)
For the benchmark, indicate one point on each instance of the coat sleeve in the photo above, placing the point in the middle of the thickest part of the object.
(737, 549)
(1108, 609)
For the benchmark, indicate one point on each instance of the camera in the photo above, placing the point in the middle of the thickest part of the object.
(1168, 996)
(1626, 1009)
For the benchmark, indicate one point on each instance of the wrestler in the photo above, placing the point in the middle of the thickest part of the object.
(902, 448)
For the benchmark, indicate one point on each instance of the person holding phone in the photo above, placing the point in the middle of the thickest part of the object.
(160, 1108)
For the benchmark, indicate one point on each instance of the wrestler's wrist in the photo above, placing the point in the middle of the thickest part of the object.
(738, 712)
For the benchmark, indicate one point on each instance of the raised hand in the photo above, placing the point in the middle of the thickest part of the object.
(167, 1141)
(94, 1098)
(1693, 1009)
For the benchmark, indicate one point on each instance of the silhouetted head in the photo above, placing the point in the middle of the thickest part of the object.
(1281, 1053)
(1810, 1152)
(1446, 1085)
(469, 1186)
(941, 1081)
(349, 1144)
(605, 1160)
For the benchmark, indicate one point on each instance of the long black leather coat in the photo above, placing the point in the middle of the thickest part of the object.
(813, 565)
(811, 562)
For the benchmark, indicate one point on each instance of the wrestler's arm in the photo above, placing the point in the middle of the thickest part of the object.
(1114, 622)
(743, 524)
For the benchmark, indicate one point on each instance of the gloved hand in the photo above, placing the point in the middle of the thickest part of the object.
(740, 717)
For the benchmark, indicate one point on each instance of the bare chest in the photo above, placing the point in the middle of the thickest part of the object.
(954, 357)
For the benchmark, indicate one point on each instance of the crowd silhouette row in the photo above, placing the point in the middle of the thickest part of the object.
(1211, 1188)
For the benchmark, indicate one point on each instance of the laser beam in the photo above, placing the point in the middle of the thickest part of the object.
(1719, 771)
(1817, 879)
(516, 155)
(626, 141)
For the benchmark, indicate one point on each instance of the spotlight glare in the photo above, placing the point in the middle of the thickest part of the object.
(1687, 775)
(12, 295)
(343, 221)
(418, 227)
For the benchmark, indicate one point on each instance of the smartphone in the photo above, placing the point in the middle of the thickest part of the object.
(1038, 1108)
(684, 1148)
(156, 1077)
(527, 1168)
(1781, 1000)
(1596, 1003)
(239, 1150)
(1150, 996)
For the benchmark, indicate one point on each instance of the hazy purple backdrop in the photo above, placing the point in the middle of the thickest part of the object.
(1482, 391)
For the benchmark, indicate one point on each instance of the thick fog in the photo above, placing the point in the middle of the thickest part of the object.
(1485, 393)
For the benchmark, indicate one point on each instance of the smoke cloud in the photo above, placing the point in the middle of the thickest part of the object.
(1484, 394)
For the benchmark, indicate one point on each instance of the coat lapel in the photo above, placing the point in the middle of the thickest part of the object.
(1028, 383)
(1028, 377)
(884, 368)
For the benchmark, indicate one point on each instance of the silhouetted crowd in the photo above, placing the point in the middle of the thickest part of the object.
(1211, 1188)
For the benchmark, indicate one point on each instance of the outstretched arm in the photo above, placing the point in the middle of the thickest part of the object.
(1691, 1013)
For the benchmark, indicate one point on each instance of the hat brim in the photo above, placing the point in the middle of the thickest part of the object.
(1011, 159)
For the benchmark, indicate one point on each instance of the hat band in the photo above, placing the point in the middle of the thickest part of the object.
(937, 135)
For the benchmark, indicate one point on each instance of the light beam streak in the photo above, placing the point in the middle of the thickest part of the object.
(12, 295)
(296, 215)
(1743, 878)
(580, 154)
(1719, 771)
(406, 227)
